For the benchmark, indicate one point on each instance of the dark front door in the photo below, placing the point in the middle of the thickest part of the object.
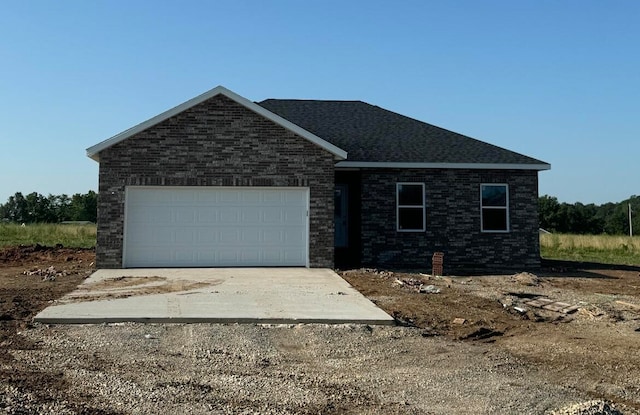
(347, 225)
(341, 216)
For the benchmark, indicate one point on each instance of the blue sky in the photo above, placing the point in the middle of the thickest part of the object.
(556, 80)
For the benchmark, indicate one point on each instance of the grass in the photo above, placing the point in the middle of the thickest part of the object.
(605, 249)
(48, 234)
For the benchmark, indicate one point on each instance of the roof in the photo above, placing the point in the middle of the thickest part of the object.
(371, 136)
(94, 151)
(376, 137)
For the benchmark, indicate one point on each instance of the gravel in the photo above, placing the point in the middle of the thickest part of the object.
(594, 407)
(281, 369)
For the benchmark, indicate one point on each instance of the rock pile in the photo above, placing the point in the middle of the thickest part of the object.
(595, 407)
(47, 274)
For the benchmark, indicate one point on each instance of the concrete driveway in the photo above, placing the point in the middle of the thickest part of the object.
(216, 295)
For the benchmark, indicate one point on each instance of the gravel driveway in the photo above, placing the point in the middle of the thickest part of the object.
(299, 369)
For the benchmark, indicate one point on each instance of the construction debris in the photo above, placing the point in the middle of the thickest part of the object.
(416, 285)
(551, 305)
(429, 289)
(380, 273)
(48, 274)
(630, 305)
(595, 407)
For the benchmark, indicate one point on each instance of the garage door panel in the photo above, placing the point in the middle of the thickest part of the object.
(250, 236)
(229, 197)
(228, 235)
(272, 215)
(185, 236)
(141, 237)
(206, 236)
(208, 226)
(250, 216)
(228, 215)
(272, 237)
(294, 255)
(185, 215)
(228, 256)
(206, 216)
(138, 214)
(183, 256)
(293, 216)
(184, 196)
(270, 198)
(162, 237)
(250, 256)
(251, 197)
(294, 237)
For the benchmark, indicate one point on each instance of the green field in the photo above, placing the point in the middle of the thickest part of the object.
(48, 234)
(605, 249)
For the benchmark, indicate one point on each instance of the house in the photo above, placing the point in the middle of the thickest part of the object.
(223, 181)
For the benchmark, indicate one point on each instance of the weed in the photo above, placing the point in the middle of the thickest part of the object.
(608, 249)
(49, 234)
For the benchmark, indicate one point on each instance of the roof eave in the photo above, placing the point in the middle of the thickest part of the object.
(468, 166)
(94, 151)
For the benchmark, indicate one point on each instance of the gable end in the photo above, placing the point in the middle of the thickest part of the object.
(94, 151)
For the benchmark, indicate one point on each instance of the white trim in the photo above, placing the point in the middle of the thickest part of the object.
(308, 226)
(124, 226)
(398, 206)
(468, 166)
(506, 208)
(93, 152)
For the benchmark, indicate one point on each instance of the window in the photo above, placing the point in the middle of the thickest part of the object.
(494, 207)
(410, 207)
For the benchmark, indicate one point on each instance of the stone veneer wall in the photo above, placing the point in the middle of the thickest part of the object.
(452, 220)
(215, 143)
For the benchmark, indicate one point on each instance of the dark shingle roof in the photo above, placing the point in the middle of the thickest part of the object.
(372, 134)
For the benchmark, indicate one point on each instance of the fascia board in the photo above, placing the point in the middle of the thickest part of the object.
(467, 166)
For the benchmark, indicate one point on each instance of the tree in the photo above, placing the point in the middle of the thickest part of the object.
(36, 208)
(611, 218)
(61, 207)
(15, 210)
(84, 207)
(548, 211)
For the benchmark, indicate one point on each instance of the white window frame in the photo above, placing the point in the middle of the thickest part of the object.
(398, 206)
(506, 208)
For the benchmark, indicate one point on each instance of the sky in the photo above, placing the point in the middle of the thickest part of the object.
(555, 80)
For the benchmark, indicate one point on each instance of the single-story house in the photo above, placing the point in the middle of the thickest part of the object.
(223, 181)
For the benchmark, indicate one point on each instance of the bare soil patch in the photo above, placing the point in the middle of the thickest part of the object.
(469, 340)
(21, 298)
(594, 349)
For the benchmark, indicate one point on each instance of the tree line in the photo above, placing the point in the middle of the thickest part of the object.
(578, 218)
(609, 218)
(36, 208)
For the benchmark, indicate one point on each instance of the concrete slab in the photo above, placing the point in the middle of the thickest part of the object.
(215, 295)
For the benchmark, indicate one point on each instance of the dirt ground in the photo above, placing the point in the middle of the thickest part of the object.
(23, 296)
(592, 351)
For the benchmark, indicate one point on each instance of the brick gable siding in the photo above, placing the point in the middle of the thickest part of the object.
(452, 220)
(215, 143)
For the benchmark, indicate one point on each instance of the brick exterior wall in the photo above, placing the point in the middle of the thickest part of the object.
(215, 143)
(452, 220)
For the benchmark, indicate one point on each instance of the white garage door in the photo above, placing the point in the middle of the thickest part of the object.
(215, 226)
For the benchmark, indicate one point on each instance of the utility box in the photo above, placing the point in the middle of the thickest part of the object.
(437, 262)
